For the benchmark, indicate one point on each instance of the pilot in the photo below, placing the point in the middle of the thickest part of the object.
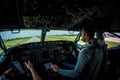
(9, 73)
(85, 57)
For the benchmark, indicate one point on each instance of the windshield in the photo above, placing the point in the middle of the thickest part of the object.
(27, 36)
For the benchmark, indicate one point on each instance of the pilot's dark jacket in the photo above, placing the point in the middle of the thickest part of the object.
(90, 52)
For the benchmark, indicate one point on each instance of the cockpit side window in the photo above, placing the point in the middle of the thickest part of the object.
(112, 40)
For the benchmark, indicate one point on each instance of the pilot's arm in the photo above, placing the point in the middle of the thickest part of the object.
(7, 73)
(32, 70)
(83, 58)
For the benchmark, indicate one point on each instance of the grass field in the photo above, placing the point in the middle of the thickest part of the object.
(15, 42)
(112, 44)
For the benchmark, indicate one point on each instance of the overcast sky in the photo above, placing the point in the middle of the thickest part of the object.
(30, 33)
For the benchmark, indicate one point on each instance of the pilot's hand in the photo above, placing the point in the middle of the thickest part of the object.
(77, 50)
(54, 68)
(8, 73)
(29, 65)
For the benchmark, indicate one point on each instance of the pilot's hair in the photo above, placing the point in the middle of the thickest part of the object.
(89, 30)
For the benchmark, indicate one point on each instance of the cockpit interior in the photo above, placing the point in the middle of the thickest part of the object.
(47, 15)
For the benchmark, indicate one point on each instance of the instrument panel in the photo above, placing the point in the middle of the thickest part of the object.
(42, 52)
(39, 54)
